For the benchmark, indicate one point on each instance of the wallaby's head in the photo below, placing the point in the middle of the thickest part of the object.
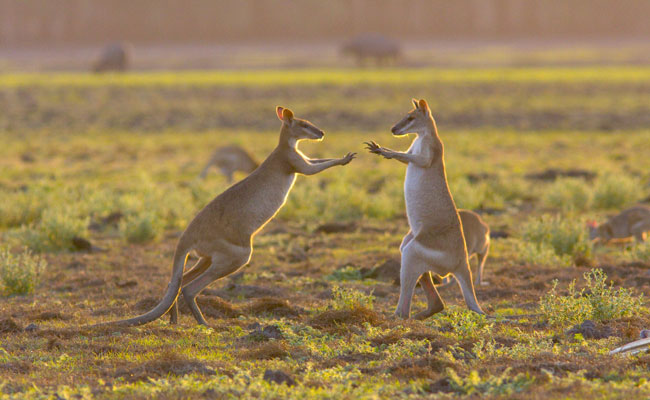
(417, 120)
(602, 231)
(298, 129)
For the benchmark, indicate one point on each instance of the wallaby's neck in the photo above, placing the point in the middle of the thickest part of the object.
(429, 128)
(286, 142)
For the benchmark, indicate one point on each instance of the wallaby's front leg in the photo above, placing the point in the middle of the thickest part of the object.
(305, 167)
(422, 160)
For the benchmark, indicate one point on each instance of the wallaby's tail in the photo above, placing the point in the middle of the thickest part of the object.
(173, 289)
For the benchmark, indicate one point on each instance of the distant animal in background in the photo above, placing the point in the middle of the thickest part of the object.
(477, 239)
(635, 221)
(372, 47)
(114, 58)
(230, 159)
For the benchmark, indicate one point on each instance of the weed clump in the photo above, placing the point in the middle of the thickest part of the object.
(141, 227)
(616, 191)
(568, 194)
(19, 273)
(563, 236)
(54, 232)
(598, 301)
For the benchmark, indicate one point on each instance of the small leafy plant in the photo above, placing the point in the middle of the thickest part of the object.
(347, 299)
(598, 301)
(564, 236)
(19, 273)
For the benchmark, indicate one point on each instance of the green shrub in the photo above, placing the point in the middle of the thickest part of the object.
(347, 273)
(639, 252)
(541, 254)
(565, 236)
(501, 384)
(141, 228)
(598, 301)
(348, 299)
(54, 231)
(617, 191)
(468, 324)
(568, 194)
(19, 273)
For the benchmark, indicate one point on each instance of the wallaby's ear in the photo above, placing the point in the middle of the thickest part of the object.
(423, 105)
(415, 103)
(278, 112)
(287, 115)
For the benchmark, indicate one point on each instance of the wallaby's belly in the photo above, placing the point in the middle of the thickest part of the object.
(428, 202)
(264, 204)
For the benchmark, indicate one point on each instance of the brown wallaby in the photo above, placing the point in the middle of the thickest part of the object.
(634, 221)
(222, 233)
(477, 240)
(230, 159)
(435, 242)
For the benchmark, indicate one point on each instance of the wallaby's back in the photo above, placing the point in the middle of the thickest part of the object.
(476, 232)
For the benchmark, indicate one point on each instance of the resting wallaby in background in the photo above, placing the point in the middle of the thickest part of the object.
(634, 221)
(435, 242)
(230, 159)
(477, 240)
(222, 232)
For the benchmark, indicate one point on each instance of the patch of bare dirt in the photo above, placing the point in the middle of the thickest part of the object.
(50, 315)
(272, 305)
(590, 330)
(387, 271)
(340, 319)
(268, 351)
(211, 306)
(168, 363)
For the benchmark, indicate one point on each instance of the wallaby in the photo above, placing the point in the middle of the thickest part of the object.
(477, 240)
(634, 221)
(435, 241)
(222, 233)
(230, 159)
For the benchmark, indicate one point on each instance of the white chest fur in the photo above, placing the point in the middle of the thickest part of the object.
(414, 187)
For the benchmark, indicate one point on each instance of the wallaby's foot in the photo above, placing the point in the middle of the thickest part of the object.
(429, 312)
(401, 315)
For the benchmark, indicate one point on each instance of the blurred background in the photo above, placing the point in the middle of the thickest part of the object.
(71, 34)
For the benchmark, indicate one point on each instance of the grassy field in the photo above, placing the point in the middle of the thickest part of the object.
(115, 159)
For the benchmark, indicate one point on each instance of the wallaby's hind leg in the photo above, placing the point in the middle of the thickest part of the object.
(189, 276)
(434, 302)
(639, 229)
(412, 267)
(407, 238)
(221, 266)
(464, 278)
(481, 257)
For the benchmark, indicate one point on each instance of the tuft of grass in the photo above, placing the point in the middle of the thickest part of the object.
(19, 273)
(568, 194)
(617, 191)
(141, 227)
(502, 384)
(565, 236)
(347, 273)
(55, 230)
(639, 252)
(597, 301)
(349, 299)
(541, 254)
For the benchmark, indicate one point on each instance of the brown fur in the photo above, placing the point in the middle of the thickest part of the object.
(435, 242)
(222, 233)
(477, 240)
(230, 159)
(634, 221)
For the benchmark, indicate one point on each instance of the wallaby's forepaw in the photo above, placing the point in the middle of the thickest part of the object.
(373, 147)
(348, 157)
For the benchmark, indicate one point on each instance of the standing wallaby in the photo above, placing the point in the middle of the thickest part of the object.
(477, 240)
(634, 221)
(230, 159)
(435, 241)
(222, 232)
